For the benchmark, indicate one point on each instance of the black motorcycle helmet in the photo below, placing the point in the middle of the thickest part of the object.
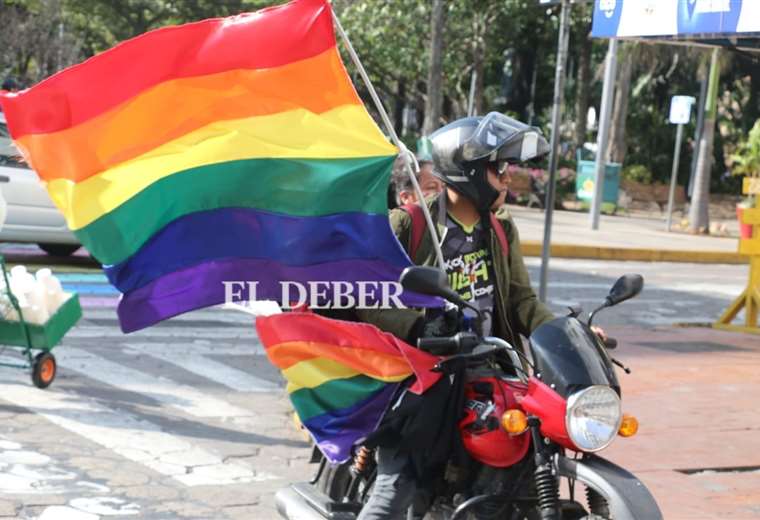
(463, 149)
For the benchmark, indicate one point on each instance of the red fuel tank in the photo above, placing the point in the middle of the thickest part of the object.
(486, 400)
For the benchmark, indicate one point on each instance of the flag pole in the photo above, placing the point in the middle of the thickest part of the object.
(394, 137)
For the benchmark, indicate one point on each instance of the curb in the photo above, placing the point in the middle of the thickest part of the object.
(530, 248)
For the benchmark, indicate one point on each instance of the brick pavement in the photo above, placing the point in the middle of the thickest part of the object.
(698, 412)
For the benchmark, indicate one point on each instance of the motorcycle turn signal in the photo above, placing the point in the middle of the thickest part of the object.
(514, 422)
(629, 426)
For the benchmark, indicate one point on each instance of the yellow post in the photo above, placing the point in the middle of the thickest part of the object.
(750, 298)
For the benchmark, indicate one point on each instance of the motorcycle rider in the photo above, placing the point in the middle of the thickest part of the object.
(471, 157)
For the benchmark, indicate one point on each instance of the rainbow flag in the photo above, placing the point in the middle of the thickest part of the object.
(341, 375)
(232, 149)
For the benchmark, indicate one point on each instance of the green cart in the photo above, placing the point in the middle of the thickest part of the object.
(29, 338)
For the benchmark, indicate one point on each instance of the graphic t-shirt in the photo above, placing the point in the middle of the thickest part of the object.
(469, 266)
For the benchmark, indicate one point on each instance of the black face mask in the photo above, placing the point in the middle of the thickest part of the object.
(476, 188)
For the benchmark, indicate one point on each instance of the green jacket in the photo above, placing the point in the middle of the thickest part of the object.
(517, 309)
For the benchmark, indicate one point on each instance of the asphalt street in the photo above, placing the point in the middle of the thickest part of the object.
(189, 420)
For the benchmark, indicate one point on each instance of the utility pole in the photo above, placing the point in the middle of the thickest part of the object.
(559, 94)
(608, 94)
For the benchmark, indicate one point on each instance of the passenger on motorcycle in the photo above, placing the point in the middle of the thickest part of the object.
(470, 156)
(402, 185)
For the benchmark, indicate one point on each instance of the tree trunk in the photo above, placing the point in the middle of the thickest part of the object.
(616, 147)
(699, 216)
(478, 59)
(434, 100)
(752, 108)
(583, 89)
(398, 107)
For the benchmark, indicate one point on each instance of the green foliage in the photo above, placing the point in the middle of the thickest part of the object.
(510, 41)
(103, 23)
(746, 159)
(33, 44)
(637, 173)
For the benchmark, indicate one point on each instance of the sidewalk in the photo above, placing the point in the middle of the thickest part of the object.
(694, 392)
(620, 238)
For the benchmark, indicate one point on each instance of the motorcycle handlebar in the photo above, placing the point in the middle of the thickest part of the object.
(460, 342)
(437, 346)
(474, 348)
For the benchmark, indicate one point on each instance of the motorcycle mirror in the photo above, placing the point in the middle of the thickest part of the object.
(431, 281)
(626, 287)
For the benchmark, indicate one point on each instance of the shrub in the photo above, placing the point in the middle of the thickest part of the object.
(746, 160)
(637, 173)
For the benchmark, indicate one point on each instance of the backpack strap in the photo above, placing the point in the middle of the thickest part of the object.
(500, 235)
(418, 227)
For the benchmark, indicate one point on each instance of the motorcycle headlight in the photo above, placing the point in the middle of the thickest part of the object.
(593, 417)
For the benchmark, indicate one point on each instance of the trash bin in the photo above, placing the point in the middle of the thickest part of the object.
(585, 180)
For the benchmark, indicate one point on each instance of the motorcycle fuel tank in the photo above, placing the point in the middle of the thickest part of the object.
(568, 356)
(486, 400)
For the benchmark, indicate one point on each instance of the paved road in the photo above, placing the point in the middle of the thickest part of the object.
(188, 419)
(673, 292)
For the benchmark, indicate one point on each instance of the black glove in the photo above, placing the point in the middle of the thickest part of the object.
(440, 323)
(437, 323)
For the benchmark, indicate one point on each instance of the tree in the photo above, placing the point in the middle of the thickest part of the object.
(34, 42)
(584, 43)
(699, 216)
(389, 38)
(434, 101)
(616, 146)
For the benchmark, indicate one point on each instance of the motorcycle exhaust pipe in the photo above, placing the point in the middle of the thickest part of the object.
(292, 506)
(302, 501)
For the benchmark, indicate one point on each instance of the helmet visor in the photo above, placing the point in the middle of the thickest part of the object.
(499, 137)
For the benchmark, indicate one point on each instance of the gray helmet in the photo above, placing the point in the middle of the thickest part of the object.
(462, 150)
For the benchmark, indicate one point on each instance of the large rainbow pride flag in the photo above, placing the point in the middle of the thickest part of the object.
(341, 375)
(232, 149)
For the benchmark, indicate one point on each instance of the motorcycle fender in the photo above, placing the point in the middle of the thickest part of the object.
(627, 497)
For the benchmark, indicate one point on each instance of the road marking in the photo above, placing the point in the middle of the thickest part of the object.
(99, 301)
(208, 368)
(160, 333)
(90, 288)
(208, 313)
(127, 435)
(66, 513)
(187, 399)
(81, 277)
(28, 472)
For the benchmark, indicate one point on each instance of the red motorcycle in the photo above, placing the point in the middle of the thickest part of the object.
(529, 424)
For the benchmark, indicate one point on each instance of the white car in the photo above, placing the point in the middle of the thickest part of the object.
(31, 215)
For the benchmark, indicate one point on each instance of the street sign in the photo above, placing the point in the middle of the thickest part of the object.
(680, 114)
(680, 109)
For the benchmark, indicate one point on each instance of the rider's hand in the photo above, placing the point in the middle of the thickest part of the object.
(441, 322)
(599, 332)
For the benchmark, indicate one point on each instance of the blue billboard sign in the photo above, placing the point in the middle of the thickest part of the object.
(689, 19)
